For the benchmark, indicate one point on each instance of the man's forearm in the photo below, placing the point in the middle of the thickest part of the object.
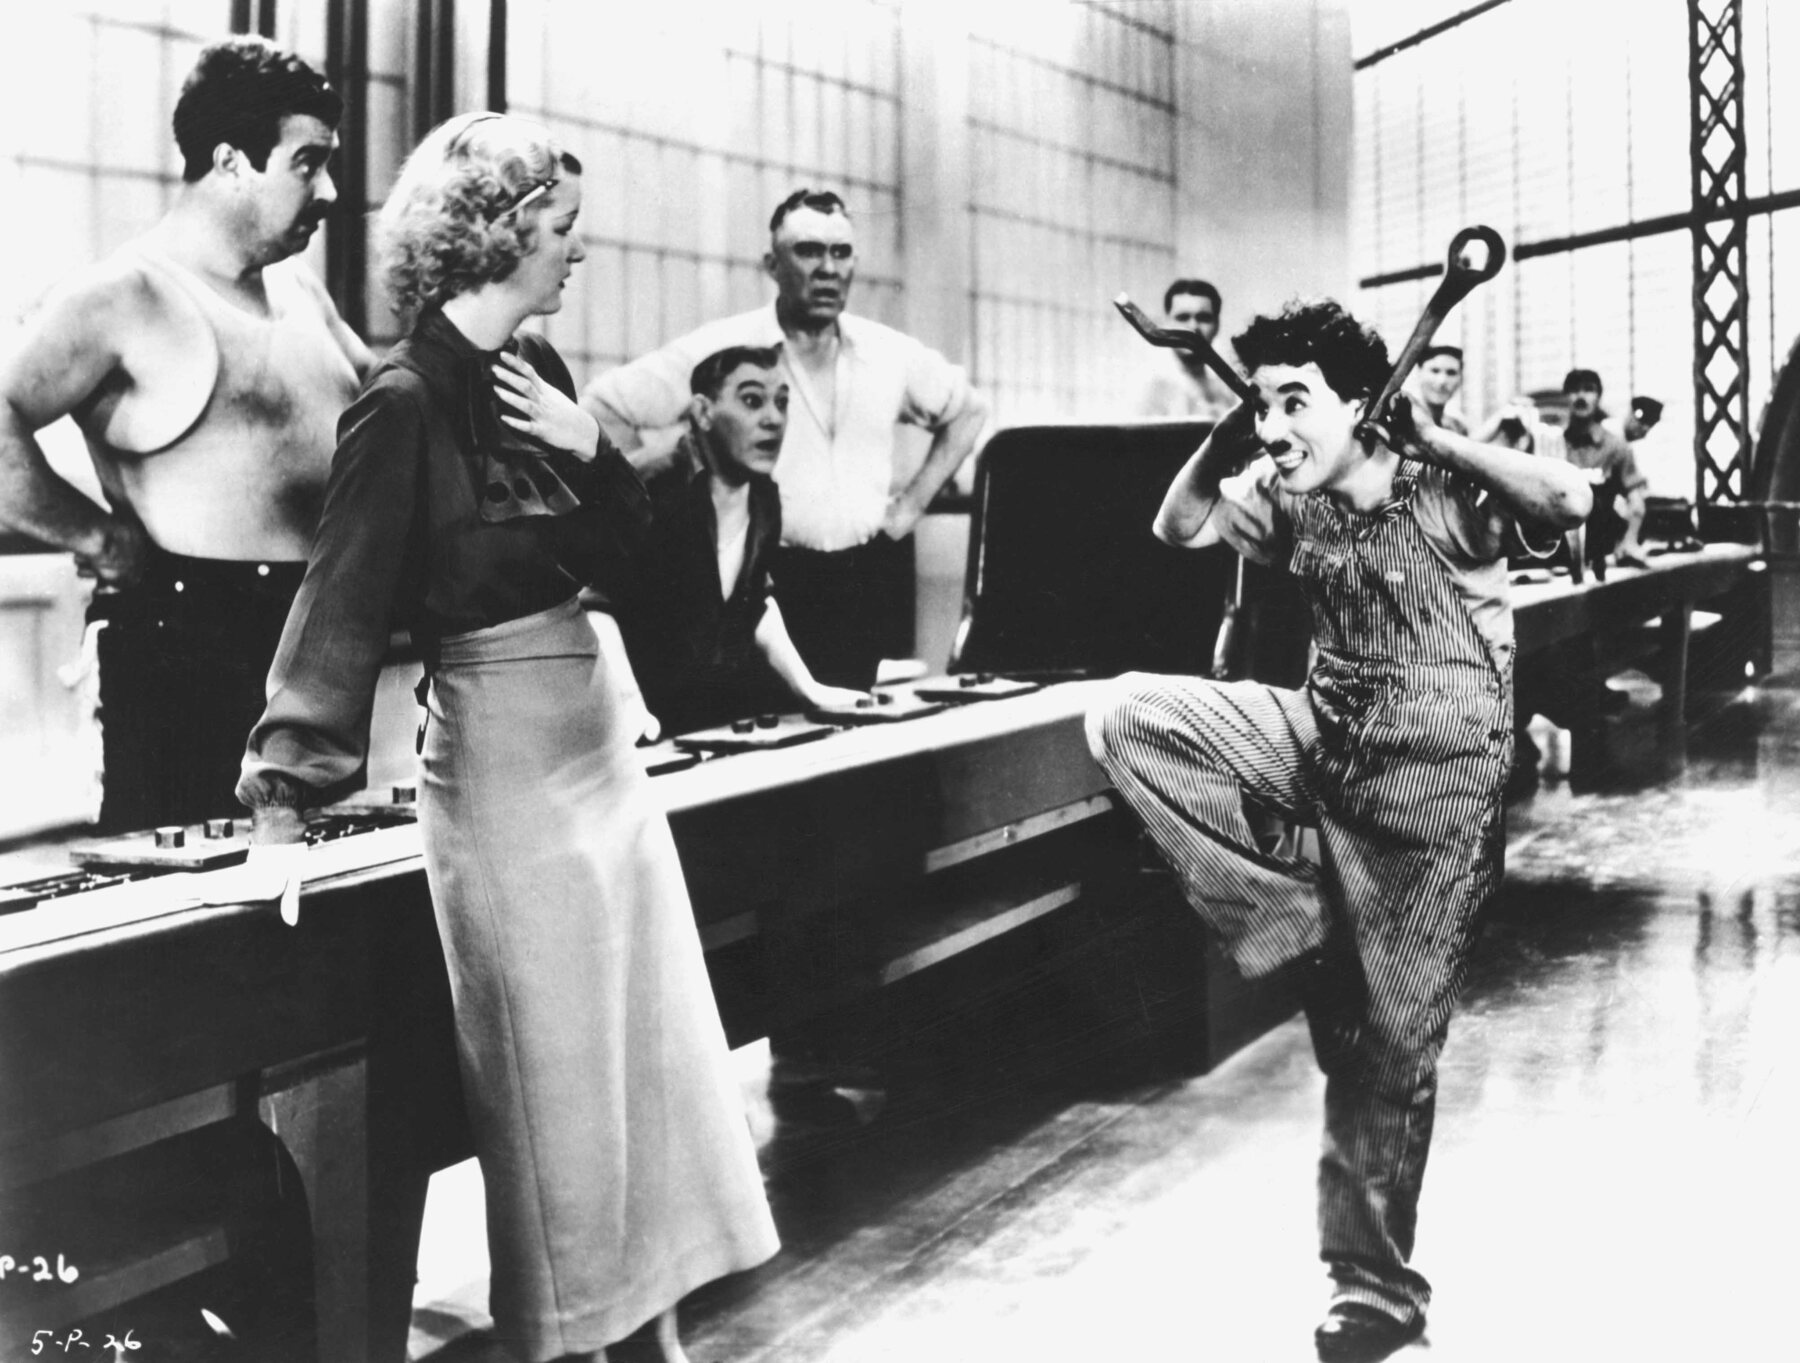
(1185, 517)
(641, 405)
(950, 445)
(1187, 506)
(1490, 428)
(1637, 505)
(649, 449)
(37, 501)
(783, 658)
(614, 425)
(1544, 492)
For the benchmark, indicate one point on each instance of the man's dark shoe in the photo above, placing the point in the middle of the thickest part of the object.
(1354, 1333)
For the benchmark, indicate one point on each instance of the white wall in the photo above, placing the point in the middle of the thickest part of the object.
(1265, 147)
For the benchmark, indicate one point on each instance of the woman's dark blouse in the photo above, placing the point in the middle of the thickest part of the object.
(402, 544)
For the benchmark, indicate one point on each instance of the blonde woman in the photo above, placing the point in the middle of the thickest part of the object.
(470, 500)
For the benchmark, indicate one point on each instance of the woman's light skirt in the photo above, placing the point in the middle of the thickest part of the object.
(619, 1168)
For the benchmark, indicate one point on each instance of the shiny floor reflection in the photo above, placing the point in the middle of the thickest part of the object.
(1614, 1176)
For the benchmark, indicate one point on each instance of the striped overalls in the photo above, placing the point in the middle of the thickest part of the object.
(1397, 750)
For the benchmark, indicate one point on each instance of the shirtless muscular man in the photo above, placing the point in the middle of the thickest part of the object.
(206, 371)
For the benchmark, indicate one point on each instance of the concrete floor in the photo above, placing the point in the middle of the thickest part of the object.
(1614, 1174)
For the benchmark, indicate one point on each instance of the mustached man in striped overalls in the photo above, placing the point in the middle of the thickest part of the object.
(1396, 749)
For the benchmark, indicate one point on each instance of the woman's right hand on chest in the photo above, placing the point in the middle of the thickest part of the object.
(541, 409)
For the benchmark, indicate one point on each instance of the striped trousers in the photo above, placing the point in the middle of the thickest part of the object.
(1405, 792)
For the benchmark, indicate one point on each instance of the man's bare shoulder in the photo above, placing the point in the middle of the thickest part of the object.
(120, 344)
(112, 298)
(88, 330)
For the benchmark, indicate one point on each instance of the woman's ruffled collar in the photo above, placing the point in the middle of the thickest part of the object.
(512, 469)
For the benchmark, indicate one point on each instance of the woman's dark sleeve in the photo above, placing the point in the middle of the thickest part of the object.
(314, 732)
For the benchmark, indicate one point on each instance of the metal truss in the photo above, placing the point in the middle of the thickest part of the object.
(1722, 451)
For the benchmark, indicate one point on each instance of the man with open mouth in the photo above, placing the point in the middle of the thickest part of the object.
(1396, 749)
(701, 623)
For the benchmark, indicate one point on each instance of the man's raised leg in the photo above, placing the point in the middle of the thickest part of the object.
(1186, 753)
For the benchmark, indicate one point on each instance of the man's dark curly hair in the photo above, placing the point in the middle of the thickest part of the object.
(238, 93)
(1353, 359)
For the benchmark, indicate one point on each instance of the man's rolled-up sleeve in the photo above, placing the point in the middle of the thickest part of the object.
(1474, 524)
(651, 393)
(937, 391)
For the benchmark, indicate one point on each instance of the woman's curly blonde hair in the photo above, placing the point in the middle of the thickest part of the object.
(463, 211)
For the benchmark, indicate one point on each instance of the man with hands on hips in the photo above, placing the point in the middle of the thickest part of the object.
(1396, 750)
(846, 566)
(205, 367)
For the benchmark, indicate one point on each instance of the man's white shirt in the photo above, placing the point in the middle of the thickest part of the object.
(837, 460)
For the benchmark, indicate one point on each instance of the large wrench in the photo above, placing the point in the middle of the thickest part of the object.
(1461, 274)
(1191, 341)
